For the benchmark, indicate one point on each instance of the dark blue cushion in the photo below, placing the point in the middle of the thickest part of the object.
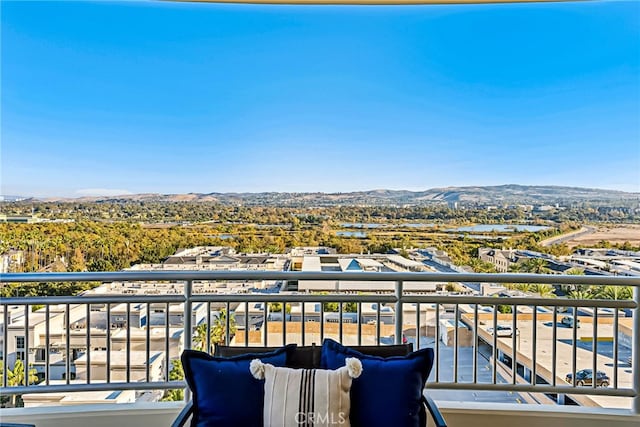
(224, 391)
(389, 391)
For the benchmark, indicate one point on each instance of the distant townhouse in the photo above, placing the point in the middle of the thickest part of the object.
(501, 259)
(360, 263)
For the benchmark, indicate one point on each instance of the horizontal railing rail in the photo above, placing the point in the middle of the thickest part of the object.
(252, 275)
(529, 315)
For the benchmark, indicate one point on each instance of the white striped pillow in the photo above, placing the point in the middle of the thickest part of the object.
(306, 397)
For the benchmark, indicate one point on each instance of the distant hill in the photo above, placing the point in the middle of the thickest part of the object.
(485, 195)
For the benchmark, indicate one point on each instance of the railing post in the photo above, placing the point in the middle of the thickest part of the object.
(635, 351)
(399, 290)
(188, 329)
(188, 332)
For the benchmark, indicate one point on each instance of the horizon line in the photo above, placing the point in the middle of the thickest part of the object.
(111, 193)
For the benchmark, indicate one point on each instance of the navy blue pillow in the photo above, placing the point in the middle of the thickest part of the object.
(224, 391)
(389, 391)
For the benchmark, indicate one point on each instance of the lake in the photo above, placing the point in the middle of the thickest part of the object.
(362, 225)
(502, 228)
(359, 234)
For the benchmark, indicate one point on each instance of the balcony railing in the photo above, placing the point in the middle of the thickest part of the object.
(526, 348)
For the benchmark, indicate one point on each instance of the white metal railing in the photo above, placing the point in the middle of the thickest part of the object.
(507, 354)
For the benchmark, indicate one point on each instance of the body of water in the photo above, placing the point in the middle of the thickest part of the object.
(378, 225)
(478, 228)
(359, 234)
(483, 236)
(502, 228)
(362, 225)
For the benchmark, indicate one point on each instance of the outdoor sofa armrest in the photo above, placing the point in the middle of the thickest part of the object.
(184, 415)
(436, 415)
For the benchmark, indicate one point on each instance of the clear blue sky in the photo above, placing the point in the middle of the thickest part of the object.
(174, 98)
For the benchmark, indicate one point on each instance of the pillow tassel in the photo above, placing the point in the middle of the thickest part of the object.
(354, 366)
(257, 369)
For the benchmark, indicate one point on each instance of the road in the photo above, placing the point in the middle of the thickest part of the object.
(569, 236)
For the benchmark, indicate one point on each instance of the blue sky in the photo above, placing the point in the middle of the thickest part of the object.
(173, 98)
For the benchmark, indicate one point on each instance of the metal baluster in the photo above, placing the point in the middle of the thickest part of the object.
(494, 372)
(26, 345)
(321, 323)
(188, 327)
(456, 346)
(108, 343)
(399, 320)
(68, 344)
(284, 324)
(635, 351)
(47, 344)
(340, 320)
(148, 346)
(265, 326)
(594, 346)
(475, 343)
(88, 343)
(246, 323)
(303, 323)
(534, 346)
(514, 344)
(208, 328)
(166, 340)
(615, 348)
(378, 323)
(417, 326)
(128, 354)
(437, 342)
(359, 323)
(5, 337)
(574, 349)
(554, 346)
(227, 326)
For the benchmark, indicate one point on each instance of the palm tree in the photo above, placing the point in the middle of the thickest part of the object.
(574, 272)
(16, 377)
(176, 374)
(524, 287)
(545, 290)
(200, 338)
(614, 292)
(219, 327)
(534, 265)
(580, 294)
(217, 332)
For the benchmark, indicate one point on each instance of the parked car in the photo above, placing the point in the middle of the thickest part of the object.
(503, 331)
(585, 377)
(568, 321)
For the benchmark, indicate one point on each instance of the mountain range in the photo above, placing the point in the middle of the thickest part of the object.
(501, 194)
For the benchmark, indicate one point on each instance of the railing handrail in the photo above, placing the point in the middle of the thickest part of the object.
(329, 297)
(258, 275)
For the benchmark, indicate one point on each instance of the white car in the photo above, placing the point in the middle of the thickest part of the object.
(502, 331)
